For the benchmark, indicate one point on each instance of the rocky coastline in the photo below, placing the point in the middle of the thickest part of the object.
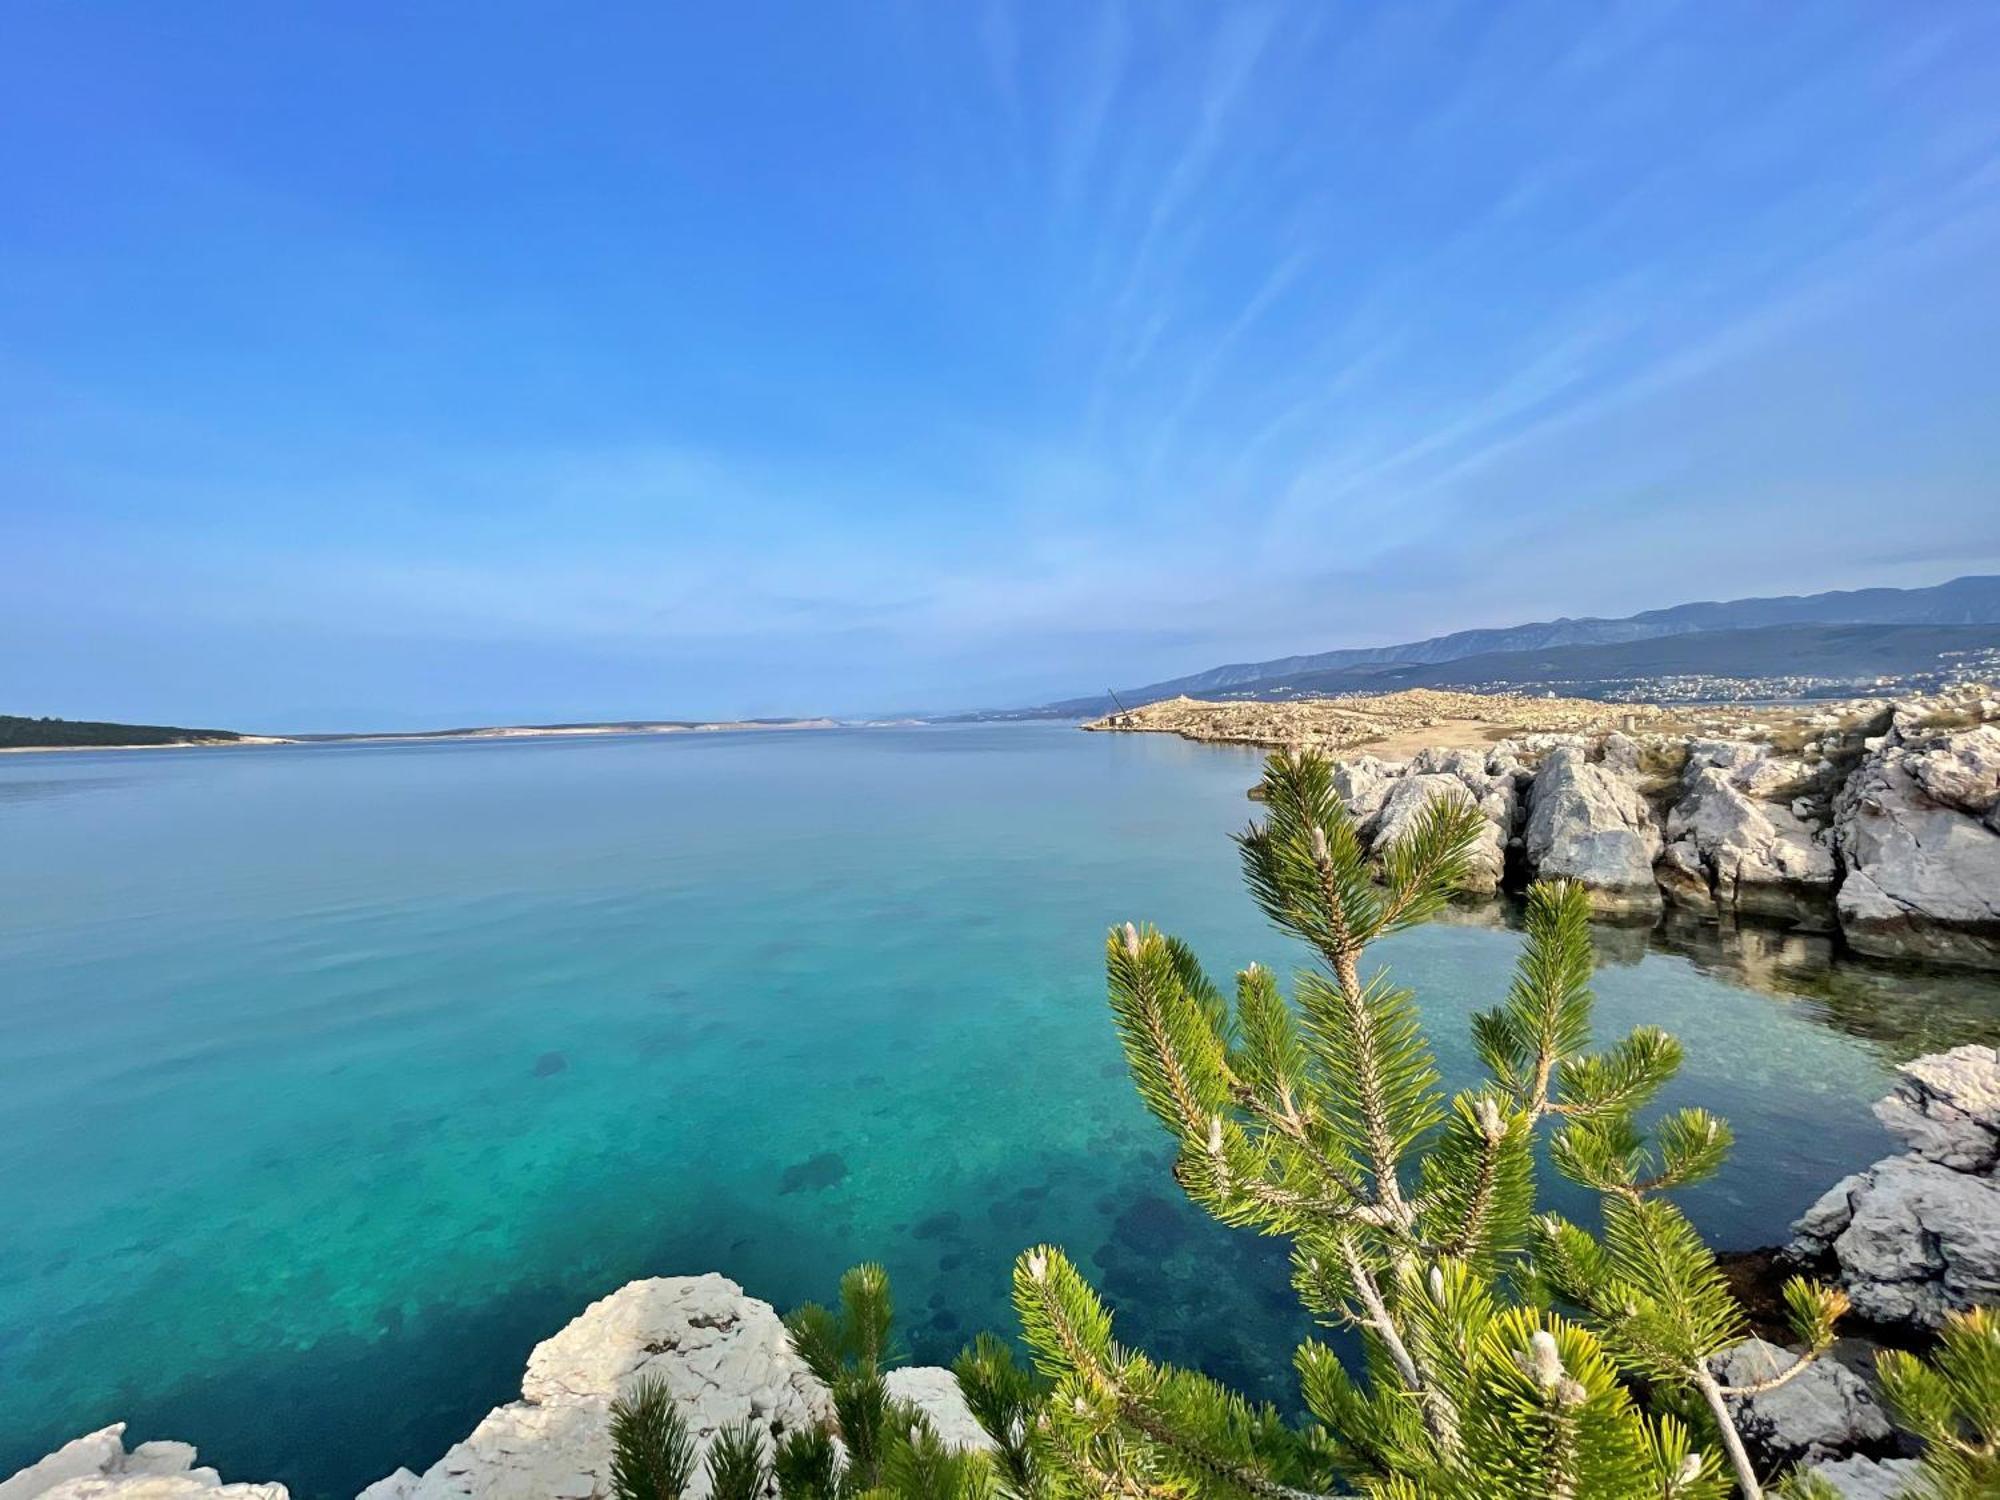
(724, 1354)
(1877, 821)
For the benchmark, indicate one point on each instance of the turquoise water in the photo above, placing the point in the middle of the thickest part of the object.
(335, 1077)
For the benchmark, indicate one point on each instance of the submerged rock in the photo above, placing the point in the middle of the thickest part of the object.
(98, 1467)
(1917, 1236)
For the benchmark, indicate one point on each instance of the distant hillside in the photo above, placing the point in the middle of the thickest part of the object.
(1963, 601)
(45, 734)
(1798, 660)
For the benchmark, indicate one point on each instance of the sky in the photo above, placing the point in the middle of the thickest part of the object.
(369, 366)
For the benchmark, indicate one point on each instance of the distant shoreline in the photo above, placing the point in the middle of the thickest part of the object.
(423, 736)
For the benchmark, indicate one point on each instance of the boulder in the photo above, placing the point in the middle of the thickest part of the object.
(1946, 1108)
(1860, 1478)
(1918, 1236)
(1363, 783)
(97, 1467)
(1386, 798)
(935, 1393)
(1407, 800)
(1592, 825)
(1825, 1410)
(1922, 854)
(725, 1356)
(1755, 858)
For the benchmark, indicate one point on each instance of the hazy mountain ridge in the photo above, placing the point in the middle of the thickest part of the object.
(1967, 601)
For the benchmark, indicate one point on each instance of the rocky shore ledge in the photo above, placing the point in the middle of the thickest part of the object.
(724, 1354)
(1879, 820)
(1915, 1236)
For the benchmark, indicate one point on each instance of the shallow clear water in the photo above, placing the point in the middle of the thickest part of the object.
(335, 1077)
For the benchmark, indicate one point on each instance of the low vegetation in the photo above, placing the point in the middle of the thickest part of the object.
(1504, 1352)
(18, 733)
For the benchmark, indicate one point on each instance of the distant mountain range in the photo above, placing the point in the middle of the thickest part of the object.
(1737, 638)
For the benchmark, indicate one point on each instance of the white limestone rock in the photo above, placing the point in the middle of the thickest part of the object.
(1363, 783)
(1823, 1411)
(97, 1467)
(1961, 770)
(1946, 1108)
(1412, 795)
(1923, 871)
(197, 1484)
(1592, 825)
(935, 1393)
(1917, 1236)
(724, 1355)
(1756, 858)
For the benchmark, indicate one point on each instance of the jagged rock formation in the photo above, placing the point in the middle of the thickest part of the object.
(1735, 845)
(1918, 825)
(1589, 823)
(1895, 843)
(1387, 797)
(724, 1355)
(1918, 1235)
(1825, 1410)
(97, 1466)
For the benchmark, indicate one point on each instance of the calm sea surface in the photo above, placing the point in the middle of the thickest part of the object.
(333, 1078)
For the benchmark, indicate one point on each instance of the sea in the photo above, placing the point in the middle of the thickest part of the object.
(333, 1077)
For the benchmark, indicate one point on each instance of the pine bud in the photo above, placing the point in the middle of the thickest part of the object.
(1321, 853)
(1690, 1469)
(1437, 1284)
(1488, 1115)
(1545, 1360)
(1215, 1135)
(1080, 1406)
(1571, 1392)
(1038, 1265)
(1131, 941)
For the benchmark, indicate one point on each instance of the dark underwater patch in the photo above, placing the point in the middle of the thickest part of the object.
(814, 1174)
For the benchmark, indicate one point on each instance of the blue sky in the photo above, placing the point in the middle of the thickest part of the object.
(366, 365)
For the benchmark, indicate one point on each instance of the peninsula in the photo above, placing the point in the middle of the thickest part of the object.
(24, 734)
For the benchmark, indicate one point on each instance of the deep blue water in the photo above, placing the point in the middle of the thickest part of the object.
(335, 1077)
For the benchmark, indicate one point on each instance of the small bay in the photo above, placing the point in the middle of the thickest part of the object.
(337, 1076)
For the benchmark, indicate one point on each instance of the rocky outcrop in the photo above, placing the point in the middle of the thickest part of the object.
(935, 1393)
(1589, 823)
(97, 1466)
(724, 1355)
(1917, 1236)
(1401, 794)
(1824, 1410)
(1734, 844)
(1918, 828)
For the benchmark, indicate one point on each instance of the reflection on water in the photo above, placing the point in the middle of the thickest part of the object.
(1907, 1010)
